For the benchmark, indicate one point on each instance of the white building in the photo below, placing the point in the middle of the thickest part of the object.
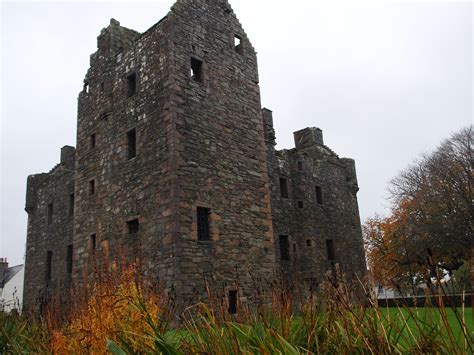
(11, 286)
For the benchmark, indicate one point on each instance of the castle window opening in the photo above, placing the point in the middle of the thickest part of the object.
(319, 195)
(69, 259)
(50, 213)
(283, 188)
(330, 250)
(300, 166)
(49, 262)
(309, 243)
(102, 86)
(86, 88)
(196, 70)
(93, 242)
(133, 226)
(71, 205)
(91, 187)
(92, 141)
(294, 247)
(132, 144)
(300, 204)
(233, 302)
(131, 84)
(284, 248)
(238, 44)
(203, 223)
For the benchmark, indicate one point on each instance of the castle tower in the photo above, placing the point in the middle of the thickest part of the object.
(171, 160)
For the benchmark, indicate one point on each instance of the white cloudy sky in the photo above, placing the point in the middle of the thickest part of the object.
(386, 80)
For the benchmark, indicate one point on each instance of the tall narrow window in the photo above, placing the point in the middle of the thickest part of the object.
(71, 205)
(93, 242)
(69, 259)
(91, 187)
(133, 226)
(283, 188)
(203, 223)
(49, 261)
(92, 141)
(196, 70)
(132, 143)
(50, 213)
(131, 84)
(330, 250)
(233, 302)
(319, 195)
(238, 44)
(284, 248)
(300, 166)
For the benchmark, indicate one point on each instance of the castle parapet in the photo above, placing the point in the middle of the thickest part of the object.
(308, 137)
(68, 156)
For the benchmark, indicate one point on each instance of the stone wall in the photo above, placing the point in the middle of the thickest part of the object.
(50, 209)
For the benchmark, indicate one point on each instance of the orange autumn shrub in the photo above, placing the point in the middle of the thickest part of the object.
(114, 308)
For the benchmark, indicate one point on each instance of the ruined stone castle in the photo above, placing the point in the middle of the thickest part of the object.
(175, 161)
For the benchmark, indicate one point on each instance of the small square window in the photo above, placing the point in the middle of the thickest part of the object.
(203, 223)
(131, 84)
(238, 44)
(309, 243)
(283, 188)
(133, 226)
(300, 204)
(132, 144)
(196, 70)
(50, 213)
(93, 242)
(91, 187)
(319, 195)
(92, 141)
(284, 248)
(233, 302)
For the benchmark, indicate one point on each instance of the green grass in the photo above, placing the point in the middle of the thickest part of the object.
(420, 320)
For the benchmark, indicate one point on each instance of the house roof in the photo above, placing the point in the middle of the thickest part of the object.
(9, 273)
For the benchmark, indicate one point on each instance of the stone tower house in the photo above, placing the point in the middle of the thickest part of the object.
(175, 164)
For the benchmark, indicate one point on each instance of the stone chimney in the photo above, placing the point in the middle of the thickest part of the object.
(308, 137)
(3, 269)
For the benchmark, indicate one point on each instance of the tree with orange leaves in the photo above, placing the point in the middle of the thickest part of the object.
(432, 219)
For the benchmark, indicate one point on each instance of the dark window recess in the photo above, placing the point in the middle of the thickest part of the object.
(131, 84)
(69, 259)
(92, 141)
(319, 195)
(284, 248)
(133, 226)
(238, 44)
(309, 243)
(196, 70)
(71, 205)
(300, 204)
(283, 188)
(102, 86)
(50, 213)
(91, 187)
(203, 223)
(300, 166)
(132, 143)
(294, 247)
(330, 249)
(49, 261)
(93, 241)
(233, 302)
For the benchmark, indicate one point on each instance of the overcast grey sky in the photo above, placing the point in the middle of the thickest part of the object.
(385, 80)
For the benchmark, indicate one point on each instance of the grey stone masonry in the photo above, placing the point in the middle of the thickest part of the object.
(175, 165)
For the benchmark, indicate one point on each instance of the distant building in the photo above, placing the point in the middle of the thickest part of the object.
(175, 163)
(11, 286)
